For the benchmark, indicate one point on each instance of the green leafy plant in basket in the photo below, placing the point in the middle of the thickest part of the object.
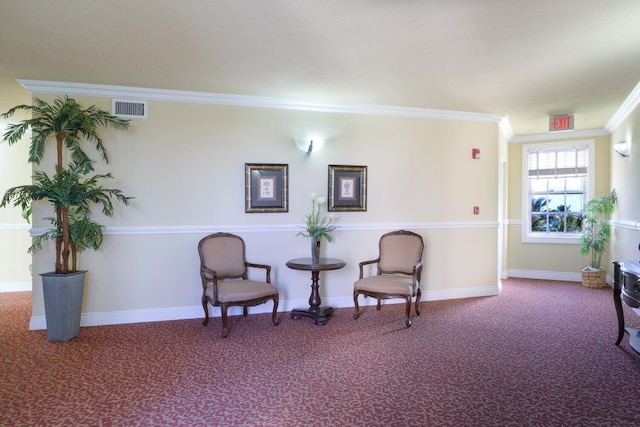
(596, 233)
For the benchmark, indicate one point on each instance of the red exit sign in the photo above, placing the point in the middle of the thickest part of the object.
(560, 123)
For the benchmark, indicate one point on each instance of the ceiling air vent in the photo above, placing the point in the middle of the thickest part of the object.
(129, 108)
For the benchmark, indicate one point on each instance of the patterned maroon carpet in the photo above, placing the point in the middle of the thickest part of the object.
(540, 354)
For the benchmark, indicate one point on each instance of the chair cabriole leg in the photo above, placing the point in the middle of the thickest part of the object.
(407, 320)
(274, 319)
(225, 327)
(355, 304)
(205, 306)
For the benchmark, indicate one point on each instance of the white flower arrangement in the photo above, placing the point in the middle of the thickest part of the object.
(316, 227)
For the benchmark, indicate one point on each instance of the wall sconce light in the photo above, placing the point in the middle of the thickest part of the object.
(622, 148)
(309, 144)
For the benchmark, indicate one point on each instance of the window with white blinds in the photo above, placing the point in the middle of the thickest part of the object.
(556, 186)
(556, 162)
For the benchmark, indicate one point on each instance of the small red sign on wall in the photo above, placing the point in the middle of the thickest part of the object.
(561, 123)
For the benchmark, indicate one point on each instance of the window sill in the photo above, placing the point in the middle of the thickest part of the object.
(557, 240)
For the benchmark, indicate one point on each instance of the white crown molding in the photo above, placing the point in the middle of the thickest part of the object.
(555, 136)
(85, 89)
(505, 128)
(624, 110)
(618, 117)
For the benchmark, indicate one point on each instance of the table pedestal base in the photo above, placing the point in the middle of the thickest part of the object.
(319, 315)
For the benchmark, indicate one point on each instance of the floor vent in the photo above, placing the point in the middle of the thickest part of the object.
(129, 108)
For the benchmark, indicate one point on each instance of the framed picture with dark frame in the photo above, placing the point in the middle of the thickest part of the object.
(266, 187)
(347, 188)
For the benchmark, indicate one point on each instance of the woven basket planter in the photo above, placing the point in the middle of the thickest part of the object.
(594, 279)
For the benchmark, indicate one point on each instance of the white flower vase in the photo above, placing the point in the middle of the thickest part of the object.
(315, 249)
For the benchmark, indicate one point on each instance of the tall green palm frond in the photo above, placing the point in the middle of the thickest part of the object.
(66, 188)
(69, 191)
(66, 119)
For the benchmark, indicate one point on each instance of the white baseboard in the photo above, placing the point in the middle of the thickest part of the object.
(445, 294)
(15, 286)
(196, 312)
(546, 275)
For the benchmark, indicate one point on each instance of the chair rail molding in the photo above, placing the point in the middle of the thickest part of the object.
(261, 228)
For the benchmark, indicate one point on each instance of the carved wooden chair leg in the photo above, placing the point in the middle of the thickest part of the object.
(205, 306)
(378, 306)
(355, 303)
(418, 295)
(407, 320)
(245, 311)
(274, 319)
(225, 326)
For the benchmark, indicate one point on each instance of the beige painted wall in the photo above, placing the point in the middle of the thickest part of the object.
(625, 178)
(419, 170)
(185, 167)
(547, 259)
(14, 171)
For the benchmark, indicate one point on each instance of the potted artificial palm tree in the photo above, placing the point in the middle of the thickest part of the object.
(71, 192)
(596, 233)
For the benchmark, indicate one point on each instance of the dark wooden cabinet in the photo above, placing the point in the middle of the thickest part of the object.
(626, 288)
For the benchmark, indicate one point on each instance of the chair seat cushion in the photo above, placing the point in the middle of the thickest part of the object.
(385, 283)
(242, 290)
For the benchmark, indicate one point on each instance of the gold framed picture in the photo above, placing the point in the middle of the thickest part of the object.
(266, 187)
(347, 188)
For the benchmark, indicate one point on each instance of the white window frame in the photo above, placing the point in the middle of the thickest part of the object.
(559, 238)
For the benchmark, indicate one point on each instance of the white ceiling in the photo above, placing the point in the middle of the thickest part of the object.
(523, 59)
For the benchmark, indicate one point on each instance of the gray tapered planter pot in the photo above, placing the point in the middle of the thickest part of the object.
(63, 296)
